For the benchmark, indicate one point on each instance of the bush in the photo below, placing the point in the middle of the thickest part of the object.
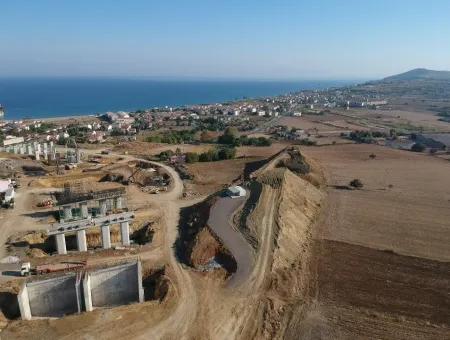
(165, 155)
(192, 157)
(217, 154)
(418, 147)
(356, 183)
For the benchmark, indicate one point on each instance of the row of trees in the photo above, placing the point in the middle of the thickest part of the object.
(173, 137)
(365, 136)
(213, 155)
(231, 137)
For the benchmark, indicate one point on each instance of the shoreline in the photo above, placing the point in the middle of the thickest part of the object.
(51, 119)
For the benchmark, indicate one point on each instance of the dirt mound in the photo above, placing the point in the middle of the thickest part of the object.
(197, 245)
(290, 276)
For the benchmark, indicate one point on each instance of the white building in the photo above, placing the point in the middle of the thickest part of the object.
(236, 191)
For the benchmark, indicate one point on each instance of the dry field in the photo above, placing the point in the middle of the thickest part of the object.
(381, 253)
(399, 118)
(213, 176)
(404, 205)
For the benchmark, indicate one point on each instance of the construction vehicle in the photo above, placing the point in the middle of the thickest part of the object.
(25, 269)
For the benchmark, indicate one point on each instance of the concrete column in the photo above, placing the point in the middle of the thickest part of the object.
(24, 303)
(106, 237)
(29, 150)
(103, 207)
(140, 288)
(119, 202)
(67, 212)
(125, 233)
(87, 293)
(84, 210)
(81, 240)
(61, 244)
(37, 155)
(45, 154)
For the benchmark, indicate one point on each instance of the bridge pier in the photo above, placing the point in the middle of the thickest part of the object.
(81, 240)
(125, 233)
(106, 236)
(61, 244)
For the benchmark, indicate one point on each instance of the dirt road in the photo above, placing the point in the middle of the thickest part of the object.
(219, 221)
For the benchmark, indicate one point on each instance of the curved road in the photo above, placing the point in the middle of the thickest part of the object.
(219, 221)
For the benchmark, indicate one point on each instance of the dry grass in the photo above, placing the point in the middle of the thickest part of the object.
(402, 207)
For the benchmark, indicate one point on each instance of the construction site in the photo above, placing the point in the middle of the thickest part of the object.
(115, 248)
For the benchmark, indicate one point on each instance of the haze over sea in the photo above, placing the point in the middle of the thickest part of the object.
(60, 97)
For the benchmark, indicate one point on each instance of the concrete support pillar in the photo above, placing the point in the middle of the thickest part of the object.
(106, 237)
(37, 155)
(103, 207)
(81, 240)
(87, 293)
(140, 288)
(125, 233)
(29, 150)
(119, 202)
(61, 244)
(24, 303)
(84, 210)
(67, 212)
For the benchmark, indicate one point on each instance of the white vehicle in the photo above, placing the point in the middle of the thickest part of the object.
(25, 269)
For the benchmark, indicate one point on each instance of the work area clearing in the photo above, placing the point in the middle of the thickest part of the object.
(82, 291)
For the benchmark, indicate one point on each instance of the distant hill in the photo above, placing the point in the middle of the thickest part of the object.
(419, 74)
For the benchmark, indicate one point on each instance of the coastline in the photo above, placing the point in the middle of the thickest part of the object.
(75, 98)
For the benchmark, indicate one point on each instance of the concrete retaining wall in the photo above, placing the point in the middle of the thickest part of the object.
(54, 297)
(116, 286)
(72, 293)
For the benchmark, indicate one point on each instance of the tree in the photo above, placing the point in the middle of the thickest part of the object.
(229, 136)
(418, 147)
(192, 157)
(356, 183)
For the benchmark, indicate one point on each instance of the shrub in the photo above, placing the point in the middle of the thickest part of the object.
(192, 157)
(356, 183)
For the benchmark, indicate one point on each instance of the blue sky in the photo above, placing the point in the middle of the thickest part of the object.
(254, 39)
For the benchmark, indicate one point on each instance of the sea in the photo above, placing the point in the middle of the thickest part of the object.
(24, 98)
